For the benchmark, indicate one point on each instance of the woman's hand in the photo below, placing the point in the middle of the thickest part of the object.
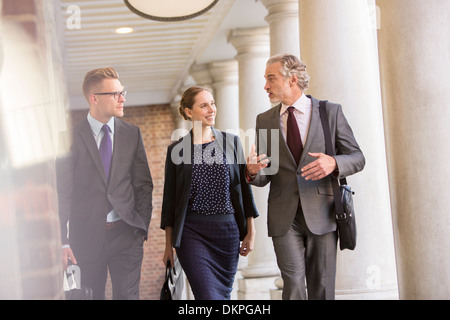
(248, 244)
(168, 256)
(168, 251)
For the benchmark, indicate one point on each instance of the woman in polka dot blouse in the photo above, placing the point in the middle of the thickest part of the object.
(208, 207)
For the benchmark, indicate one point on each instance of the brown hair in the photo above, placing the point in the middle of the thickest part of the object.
(96, 76)
(188, 99)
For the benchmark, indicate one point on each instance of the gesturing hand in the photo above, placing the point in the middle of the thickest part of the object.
(320, 168)
(256, 163)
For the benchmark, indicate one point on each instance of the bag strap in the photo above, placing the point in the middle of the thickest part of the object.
(168, 271)
(330, 151)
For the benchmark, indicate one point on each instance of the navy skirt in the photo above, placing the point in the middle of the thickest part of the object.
(209, 254)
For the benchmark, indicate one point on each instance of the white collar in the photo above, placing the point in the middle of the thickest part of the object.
(96, 125)
(301, 104)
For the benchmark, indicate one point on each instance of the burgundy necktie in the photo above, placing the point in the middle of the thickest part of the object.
(106, 150)
(293, 138)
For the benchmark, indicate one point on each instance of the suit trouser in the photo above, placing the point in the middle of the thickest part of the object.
(122, 255)
(302, 255)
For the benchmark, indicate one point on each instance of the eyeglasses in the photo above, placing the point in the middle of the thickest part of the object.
(116, 94)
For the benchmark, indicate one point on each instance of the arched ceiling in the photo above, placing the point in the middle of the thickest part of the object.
(153, 61)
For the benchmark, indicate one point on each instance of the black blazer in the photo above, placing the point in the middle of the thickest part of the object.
(177, 184)
(85, 197)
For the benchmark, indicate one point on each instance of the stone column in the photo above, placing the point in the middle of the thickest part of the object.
(284, 38)
(226, 93)
(414, 48)
(10, 281)
(29, 224)
(200, 73)
(284, 26)
(338, 44)
(252, 46)
(181, 125)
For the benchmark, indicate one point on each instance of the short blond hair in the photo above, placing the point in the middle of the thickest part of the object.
(96, 76)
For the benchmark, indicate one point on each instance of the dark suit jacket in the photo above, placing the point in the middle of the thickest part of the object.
(177, 184)
(287, 186)
(85, 197)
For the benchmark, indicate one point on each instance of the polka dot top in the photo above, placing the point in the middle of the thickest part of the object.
(210, 185)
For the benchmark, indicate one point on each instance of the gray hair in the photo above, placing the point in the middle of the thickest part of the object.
(291, 65)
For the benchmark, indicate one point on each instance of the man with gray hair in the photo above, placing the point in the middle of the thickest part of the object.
(301, 214)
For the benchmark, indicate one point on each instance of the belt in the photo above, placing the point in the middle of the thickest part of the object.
(112, 225)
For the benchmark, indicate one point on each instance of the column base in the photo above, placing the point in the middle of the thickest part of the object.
(388, 293)
(255, 288)
(276, 294)
(380, 294)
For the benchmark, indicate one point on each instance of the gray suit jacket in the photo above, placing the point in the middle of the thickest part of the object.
(287, 186)
(85, 197)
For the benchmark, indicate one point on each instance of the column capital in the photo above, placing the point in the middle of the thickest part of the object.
(200, 73)
(224, 72)
(250, 41)
(283, 19)
(281, 9)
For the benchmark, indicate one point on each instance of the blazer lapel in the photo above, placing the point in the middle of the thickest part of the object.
(225, 143)
(88, 139)
(186, 166)
(120, 139)
(314, 123)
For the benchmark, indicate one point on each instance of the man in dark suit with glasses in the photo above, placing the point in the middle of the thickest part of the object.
(105, 192)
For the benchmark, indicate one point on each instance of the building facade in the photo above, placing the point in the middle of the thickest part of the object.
(385, 61)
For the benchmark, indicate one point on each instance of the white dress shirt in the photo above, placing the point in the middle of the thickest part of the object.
(96, 127)
(302, 113)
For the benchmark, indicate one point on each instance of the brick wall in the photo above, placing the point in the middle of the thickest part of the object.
(156, 124)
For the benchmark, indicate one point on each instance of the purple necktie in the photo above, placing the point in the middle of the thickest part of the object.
(106, 150)
(293, 139)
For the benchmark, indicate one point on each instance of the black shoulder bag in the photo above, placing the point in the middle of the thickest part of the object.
(343, 195)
